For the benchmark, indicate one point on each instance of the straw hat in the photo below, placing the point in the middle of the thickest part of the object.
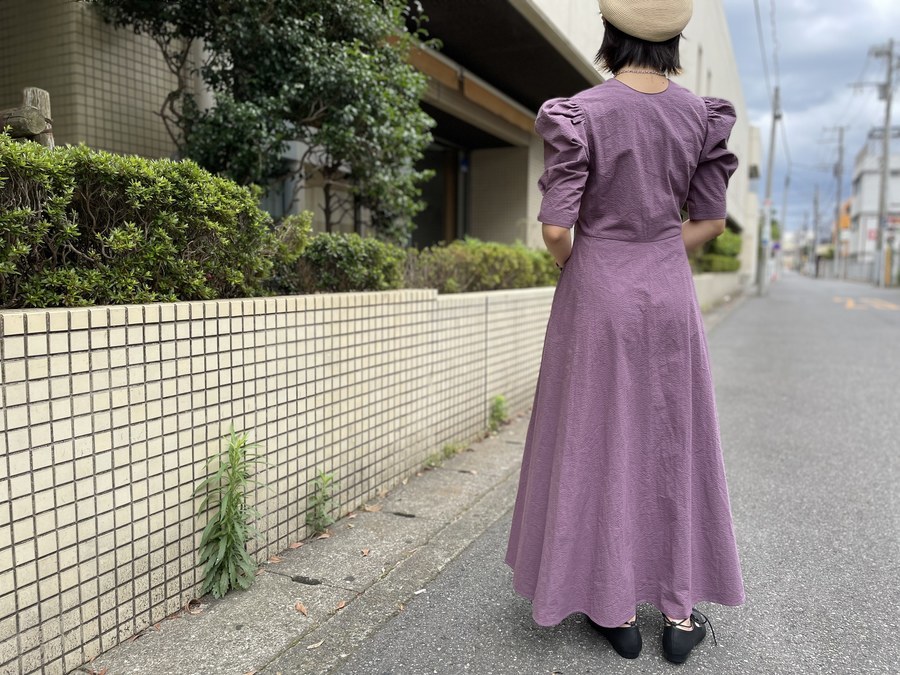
(651, 20)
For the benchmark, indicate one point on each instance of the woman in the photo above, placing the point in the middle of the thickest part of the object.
(622, 495)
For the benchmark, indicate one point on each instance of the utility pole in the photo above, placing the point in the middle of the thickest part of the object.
(803, 247)
(766, 234)
(783, 223)
(886, 94)
(839, 183)
(815, 243)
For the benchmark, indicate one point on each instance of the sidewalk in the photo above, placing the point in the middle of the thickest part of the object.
(408, 538)
(313, 606)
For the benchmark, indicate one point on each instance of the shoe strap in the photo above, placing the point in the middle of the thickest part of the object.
(697, 617)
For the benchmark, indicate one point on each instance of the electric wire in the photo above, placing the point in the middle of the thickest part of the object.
(762, 51)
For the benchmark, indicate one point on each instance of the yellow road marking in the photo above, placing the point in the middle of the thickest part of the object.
(867, 303)
(878, 303)
(849, 303)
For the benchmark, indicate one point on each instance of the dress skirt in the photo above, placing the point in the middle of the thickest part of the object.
(622, 494)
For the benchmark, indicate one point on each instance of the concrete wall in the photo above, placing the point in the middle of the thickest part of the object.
(712, 288)
(110, 413)
(499, 194)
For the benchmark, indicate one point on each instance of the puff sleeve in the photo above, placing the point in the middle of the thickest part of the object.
(560, 123)
(706, 196)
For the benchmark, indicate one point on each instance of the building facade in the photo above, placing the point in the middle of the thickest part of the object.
(862, 236)
(499, 61)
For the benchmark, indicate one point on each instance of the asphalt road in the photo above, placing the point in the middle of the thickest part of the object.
(808, 390)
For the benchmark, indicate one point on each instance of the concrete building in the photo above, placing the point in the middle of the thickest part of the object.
(499, 61)
(863, 230)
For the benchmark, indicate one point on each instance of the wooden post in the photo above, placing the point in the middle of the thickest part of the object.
(23, 121)
(40, 99)
(32, 119)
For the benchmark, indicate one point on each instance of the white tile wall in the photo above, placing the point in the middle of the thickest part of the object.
(109, 415)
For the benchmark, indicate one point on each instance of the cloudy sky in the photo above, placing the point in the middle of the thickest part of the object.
(822, 47)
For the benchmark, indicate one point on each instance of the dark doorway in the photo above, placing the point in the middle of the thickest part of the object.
(440, 219)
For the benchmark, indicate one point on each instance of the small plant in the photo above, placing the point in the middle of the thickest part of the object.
(498, 413)
(318, 517)
(223, 546)
(433, 461)
(452, 449)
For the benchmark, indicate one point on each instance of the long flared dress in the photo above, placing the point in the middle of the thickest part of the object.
(622, 495)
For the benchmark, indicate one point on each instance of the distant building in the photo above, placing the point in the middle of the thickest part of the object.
(500, 60)
(866, 193)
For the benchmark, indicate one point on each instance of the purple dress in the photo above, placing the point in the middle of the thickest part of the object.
(622, 496)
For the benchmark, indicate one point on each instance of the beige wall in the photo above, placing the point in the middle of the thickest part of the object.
(499, 196)
(110, 414)
(105, 85)
(578, 20)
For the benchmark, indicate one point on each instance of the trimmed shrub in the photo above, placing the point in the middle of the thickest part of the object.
(347, 262)
(290, 275)
(728, 243)
(469, 264)
(713, 262)
(82, 227)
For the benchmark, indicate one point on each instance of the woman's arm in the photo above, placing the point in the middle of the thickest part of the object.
(559, 242)
(697, 232)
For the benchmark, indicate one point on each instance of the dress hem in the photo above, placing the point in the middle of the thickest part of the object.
(549, 622)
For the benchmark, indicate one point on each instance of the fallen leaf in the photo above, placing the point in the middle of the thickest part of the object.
(300, 607)
(315, 645)
(401, 606)
(274, 559)
(383, 492)
(134, 637)
(259, 571)
(341, 604)
(325, 535)
(352, 514)
(296, 544)
(405, 481)
(372, 508)
(350, 525)
(156, 626)
(365, 551)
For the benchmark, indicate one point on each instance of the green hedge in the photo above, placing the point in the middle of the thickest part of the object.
(84, 227)
(470, 264)
(728, 243)
(713, 262)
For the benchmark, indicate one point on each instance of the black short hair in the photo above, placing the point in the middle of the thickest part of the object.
(619, 50)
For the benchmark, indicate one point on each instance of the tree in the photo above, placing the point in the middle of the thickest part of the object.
(332, 74)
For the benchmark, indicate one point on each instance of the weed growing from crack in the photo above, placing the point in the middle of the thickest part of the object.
(223, 546)
(318, 517)
(498, 414)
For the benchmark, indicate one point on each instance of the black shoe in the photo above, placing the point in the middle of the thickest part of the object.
(677, 643)
(625, 640)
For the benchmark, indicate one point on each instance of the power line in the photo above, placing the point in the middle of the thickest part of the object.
(776, 67)
(762, 51)
(775, 45)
